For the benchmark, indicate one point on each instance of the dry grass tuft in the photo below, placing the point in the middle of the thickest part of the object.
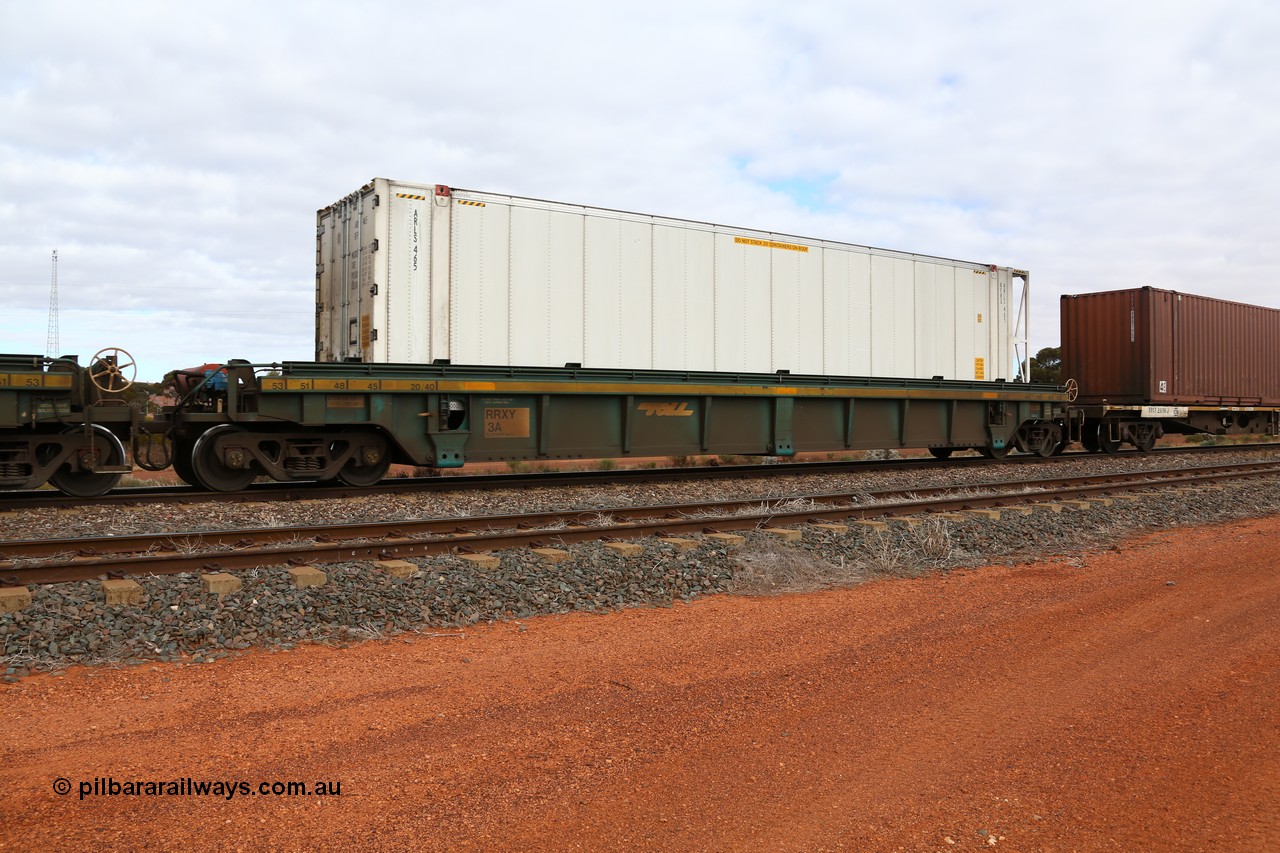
(768, 568)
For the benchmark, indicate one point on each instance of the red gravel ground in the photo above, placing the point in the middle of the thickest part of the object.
(1067, 705)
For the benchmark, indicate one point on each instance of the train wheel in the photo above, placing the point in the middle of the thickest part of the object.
(1106, 443)
(85, 484)
(994, 453)
(1061, 447)
(1089, 438)
(1146, 440)
(941, 452)
(182, 448)
(370, 463)
(209, 468)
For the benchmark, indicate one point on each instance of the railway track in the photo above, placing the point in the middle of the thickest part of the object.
(269, 492)
(60, 560)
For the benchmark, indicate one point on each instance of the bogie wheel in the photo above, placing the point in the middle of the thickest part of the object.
(112, 370)
(369, 464)
(210, 468)
(1061, 447)
(1089, 438)
(1106, 443)
(994, 453)
(1146, 441)
(941, 452)
(107, 450)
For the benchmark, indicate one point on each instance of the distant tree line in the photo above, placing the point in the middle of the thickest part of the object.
(1046, 366)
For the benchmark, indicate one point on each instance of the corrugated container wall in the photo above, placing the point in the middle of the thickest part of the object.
(1131, 347)
(416, 273)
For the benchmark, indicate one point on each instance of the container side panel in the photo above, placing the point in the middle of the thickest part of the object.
(1103, 340)
(670, 300)
(525, 281)
(811, 345)
(981, 285)
(683, 304)
(945, 310)
(439, 280)
(904, 295)
(884, 310)
(837, 352)
(700, 300)
(1155, 331)
(925, 333)
(861, 320)
(966, 328)
(348, 239)
(786, 299)
(604, 324)
(565, 292)
(531, 277)
(357, 277)
(784, 308)
(1001, 328)
(329, 342)
(743, 273)
(637, 317)
(479, 284)
(1224, 352)
(408, 261)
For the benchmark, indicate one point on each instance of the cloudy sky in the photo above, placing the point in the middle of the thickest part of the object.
(175, 154)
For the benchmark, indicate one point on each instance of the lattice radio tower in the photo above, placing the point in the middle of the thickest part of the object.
(51, 344)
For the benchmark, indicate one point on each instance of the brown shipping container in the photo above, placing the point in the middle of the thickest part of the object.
(1161, 347)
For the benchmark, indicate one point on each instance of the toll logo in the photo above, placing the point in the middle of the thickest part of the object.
(666, 410)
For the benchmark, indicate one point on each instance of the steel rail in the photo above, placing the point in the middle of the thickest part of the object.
(314, 490)
(488, 533)
(447, 525)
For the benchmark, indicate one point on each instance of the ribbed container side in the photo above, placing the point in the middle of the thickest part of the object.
(417, 273)
(1152, 346)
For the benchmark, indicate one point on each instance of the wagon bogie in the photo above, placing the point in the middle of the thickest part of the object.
(63, 424)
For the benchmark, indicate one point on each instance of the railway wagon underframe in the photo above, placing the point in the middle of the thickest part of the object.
(57, 426)
(1105, 428)
(351, 421)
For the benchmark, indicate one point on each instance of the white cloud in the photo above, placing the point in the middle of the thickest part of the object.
(175, 155)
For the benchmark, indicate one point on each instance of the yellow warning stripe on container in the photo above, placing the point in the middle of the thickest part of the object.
(471, 203)
(34, 380)
(770, 244)
(414, 197)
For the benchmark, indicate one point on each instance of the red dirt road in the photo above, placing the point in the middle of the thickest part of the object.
(1057, 706)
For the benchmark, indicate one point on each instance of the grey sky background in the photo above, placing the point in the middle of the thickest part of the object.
(175, 154)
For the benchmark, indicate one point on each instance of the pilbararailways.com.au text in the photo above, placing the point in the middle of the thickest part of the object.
(227, 789)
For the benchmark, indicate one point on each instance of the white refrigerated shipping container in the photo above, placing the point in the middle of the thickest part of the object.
(422, 272)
